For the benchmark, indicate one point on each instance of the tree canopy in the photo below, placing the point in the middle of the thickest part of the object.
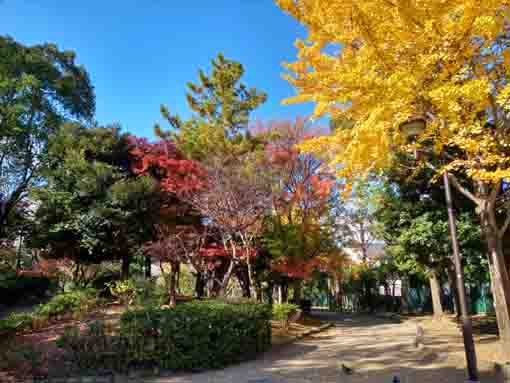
(40, 87)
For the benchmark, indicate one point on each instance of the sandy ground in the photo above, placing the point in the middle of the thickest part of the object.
(376, 349)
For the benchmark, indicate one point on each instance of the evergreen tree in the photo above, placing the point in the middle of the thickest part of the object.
(221, 106)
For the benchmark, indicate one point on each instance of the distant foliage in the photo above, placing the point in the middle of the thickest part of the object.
(71, 304)
(283, 313)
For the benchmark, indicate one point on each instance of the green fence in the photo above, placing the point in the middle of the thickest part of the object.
(419, 300)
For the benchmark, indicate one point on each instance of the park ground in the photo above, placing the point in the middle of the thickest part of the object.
(377, 349)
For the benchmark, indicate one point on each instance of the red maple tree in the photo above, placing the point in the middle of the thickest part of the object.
(301, 198)
(165, 163)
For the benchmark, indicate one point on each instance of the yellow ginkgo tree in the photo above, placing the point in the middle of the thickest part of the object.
(382, 63)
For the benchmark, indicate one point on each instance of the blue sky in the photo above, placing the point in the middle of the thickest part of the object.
(140, 54)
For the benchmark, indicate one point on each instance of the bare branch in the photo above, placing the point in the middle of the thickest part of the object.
(463, 190)
(504, 228)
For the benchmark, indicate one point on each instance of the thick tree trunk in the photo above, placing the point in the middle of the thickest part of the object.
(297, 291)
(18, 256)
(148, 264)
(285, 292)
(172, 284)
(178, 279)
(500, 284)
(337, 285)
(221, 291)
(404, 295)
(124, 271)
(453, 289)
(244, 281)
(435, 290)
(199, 285)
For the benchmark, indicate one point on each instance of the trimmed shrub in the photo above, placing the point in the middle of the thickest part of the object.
(283, 312)
(196, 335)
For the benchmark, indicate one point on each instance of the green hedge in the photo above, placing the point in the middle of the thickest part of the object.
(196, 335)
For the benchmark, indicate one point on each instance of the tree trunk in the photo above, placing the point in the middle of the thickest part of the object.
(453, 289)
(148, 264)
(280, 294)
(251, 282)
(500, 285)
(435, 291)
(285, 292)
(18, 256)
(244, 281)
(258, 292)
(500, 282)
(124, 272)
(338, 293)
(199, 285)
(178, 279)
(224, 283)
(404, 295)
(297, 291)
(172, 283)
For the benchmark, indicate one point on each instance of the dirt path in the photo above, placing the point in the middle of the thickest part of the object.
(376, 349)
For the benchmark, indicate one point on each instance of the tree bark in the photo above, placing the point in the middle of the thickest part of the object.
(453, 289)
(500, 282)
(226, 278)
(500, 285)
(178, 279)
(172, 284)
(199, 285)
(404, 295)
(148, 264)
(435, 291)
(338, 293)
(285, 292)
(244, 281)
(297, 291)
(124, 272)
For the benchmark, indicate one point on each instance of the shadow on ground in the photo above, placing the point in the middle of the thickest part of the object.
(376, 349)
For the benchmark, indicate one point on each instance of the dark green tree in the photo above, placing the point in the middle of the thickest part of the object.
(412, 220)
(40, 87)
(92, 208)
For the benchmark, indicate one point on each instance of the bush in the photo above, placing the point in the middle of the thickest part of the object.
(68, 303)
(191, 336)
(89, 350)
(125, 291)
(283, 312)
(79, 301)
(15, 322)
(24, 360)
(103, 280)
(196, 335)
(14, 289)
